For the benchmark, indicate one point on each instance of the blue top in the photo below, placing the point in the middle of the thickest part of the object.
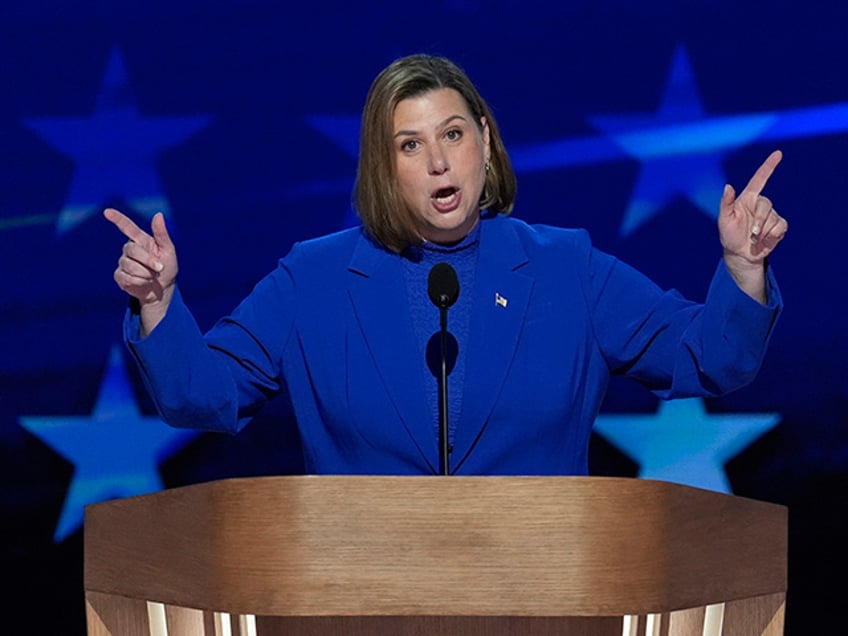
(551, 319)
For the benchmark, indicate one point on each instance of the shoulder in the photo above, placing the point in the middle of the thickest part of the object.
(539, 240)
(328, 259)
(326, 255)
(337, 245)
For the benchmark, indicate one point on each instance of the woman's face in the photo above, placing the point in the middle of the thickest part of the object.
(441, 155)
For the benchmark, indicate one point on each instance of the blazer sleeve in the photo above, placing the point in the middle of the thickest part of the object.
(673, 346)
(219, 380)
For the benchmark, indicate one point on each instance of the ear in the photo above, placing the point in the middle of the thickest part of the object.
(484, 126)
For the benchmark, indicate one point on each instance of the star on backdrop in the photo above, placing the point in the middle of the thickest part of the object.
(679, 148)
(684, 444)
(116, 450)
(672, 163)
(115, 150)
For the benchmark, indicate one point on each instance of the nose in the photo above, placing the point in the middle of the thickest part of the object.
(438, 161)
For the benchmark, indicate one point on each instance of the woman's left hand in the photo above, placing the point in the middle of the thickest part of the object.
(750, 228)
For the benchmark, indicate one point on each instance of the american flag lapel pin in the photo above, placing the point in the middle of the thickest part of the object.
(500, 300)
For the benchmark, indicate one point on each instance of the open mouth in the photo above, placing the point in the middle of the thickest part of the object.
(446, 196)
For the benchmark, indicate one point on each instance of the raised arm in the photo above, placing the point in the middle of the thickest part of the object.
(750, 228)
(147, 269)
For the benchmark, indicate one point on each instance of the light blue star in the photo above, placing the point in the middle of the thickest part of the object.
(675, 161)
(115, 150)
(680, 147)
(682, 443)
(115, 450)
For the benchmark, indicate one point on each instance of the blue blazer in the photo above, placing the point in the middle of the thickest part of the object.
(552, 319)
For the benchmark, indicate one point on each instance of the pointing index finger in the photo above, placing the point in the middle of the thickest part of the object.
(758, 182)
(126, 225)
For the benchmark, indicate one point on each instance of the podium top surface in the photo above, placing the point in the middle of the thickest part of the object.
(521, 546)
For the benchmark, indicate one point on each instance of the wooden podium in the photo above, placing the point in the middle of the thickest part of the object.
(584, 556)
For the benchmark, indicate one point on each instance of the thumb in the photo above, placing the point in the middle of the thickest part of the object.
(727, 199)
(160, 232)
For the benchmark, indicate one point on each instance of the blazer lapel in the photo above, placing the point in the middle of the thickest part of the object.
(378, 292)
(501, 296)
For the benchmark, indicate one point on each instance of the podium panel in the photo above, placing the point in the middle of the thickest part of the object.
(416, 555)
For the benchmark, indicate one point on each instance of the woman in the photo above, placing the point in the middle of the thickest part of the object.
(344, 324)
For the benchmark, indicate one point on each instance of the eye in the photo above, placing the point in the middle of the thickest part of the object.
(410, 145)
(454, 134)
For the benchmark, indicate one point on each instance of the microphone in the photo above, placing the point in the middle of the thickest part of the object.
(443, 289)
(443, 285)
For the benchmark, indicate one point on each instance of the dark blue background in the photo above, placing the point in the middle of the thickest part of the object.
(262, 101)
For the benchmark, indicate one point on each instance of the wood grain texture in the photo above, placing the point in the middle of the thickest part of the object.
(762, 615)
(428, 546)
(111, 615)
(430, 625)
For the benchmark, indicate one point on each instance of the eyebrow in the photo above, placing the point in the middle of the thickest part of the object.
(442, 124)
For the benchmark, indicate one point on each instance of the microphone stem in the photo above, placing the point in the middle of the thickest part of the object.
(443, 430)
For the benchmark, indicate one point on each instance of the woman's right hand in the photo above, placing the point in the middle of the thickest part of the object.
(147, 268)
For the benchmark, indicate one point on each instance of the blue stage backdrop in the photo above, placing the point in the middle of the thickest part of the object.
(239, 120)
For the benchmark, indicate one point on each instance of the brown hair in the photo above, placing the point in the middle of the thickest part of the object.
(377, 198)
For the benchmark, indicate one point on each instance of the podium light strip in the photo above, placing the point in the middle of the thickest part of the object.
(652, 624)
(158, 622)
(247, 625)
(629, 625)
(156, 618)
(714, 620)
